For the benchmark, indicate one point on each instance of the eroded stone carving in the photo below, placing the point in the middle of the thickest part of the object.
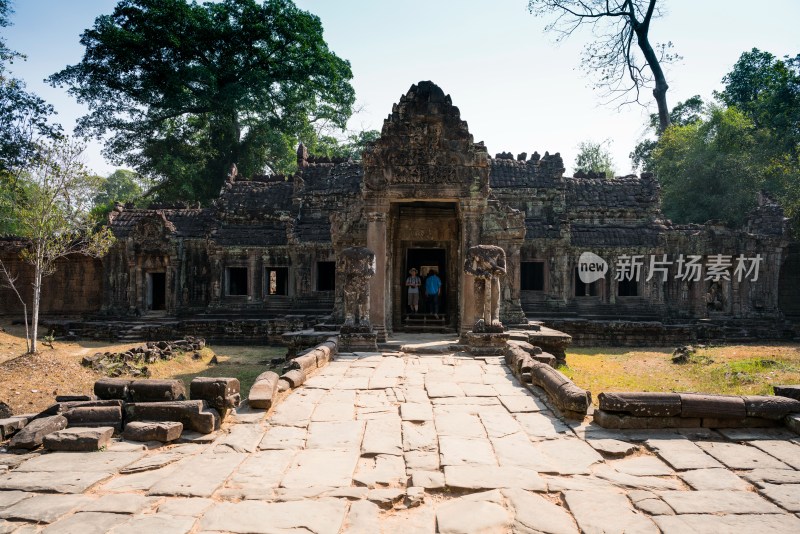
(357, 266)
(487, 263)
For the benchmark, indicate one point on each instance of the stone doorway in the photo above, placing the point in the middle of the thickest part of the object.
(156, 291)
(425, 236)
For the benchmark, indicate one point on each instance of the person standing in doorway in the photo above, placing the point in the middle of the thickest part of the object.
(413, 283)
(433, 288)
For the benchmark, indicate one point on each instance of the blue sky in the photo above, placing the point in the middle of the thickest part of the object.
(517, 89)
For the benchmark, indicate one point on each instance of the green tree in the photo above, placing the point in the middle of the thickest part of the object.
(182, 90)
(767, 90)
(120, 186)
(620, 53)
(595, 157)
(686, 112)
(53, 216)
(713, 168)
(350, 147)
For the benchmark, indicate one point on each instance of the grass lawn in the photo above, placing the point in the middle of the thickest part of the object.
(727, 369)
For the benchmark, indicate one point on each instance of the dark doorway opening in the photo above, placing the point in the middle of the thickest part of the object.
(427, 260)
(586, 290)
(326, 275)
(158, 291)
(532, 276)
(628, 288)
(237, 281)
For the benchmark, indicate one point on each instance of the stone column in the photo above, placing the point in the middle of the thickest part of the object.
(470, 235)
(376, 241)
(253, 273)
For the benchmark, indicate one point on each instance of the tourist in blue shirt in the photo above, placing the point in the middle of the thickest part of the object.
(433, 288)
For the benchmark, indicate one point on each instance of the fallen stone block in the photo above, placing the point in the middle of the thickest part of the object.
(545, 358)
(284, 385)
(112, 388)
(618, 421)
(263, 391)
(641, 404)
(712, 406)
(572, 398)
(11, 425)
(156, 390)
(32, 435)
(295, 378)
(73, 398)
(162, 431)
(305, 362)
(524, 345)
(792, 422)
(791, 391)
(770, 407)
(194, 414)
(95, 416)
(220, 393)
(79, 439)
(548, 378)
(745, 422)
(61, 407)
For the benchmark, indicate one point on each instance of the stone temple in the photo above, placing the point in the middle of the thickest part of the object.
(262, 259)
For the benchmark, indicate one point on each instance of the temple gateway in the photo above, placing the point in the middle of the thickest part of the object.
(421, 196)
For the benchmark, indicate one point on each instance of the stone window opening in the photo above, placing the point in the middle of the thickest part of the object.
(236, 282)
(585, 290)
(277, 281)
(532, 276)
(326, 275)
(627, 288)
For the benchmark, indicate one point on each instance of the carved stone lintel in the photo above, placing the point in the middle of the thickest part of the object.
(357, 265)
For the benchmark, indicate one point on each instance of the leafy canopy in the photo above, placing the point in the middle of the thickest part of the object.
(595, 157)
(181, 90)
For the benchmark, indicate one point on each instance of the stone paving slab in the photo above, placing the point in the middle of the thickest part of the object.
(396, 443)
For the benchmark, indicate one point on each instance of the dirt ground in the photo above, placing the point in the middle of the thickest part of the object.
(29, 383)
(724, 369)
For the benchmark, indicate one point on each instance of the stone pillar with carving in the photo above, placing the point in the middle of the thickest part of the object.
(376, 242)
(486, 264)
(357, 267)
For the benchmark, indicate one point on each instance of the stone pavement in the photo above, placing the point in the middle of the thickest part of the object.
(400, 442)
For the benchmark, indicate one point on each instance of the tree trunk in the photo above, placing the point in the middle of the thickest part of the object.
(37, 293)
(660, 91)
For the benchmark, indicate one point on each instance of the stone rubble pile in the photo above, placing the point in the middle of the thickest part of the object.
(134, 361)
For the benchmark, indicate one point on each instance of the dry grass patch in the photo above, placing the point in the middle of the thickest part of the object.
(724, 369)
(29, 383)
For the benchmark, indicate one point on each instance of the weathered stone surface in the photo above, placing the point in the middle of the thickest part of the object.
(112, 388)
(52, 482)
(86, 523)
(44, 508)
(617, 421)
(427, 479)
(191, 506)
(295, 378)
(641, 404)
(321, 468)
(220, 393)
(152, 390)
(466, 451)
(382, 436)
(10, 425)
(194, 414)
(792, 422)
(33, 434)
(257, 476)
(712, 406)
(95, 416)
(321, 516)
(479, 512)
(198, 476)
(534, 513)
(240, 438)
(284, 437)
(789, 391)
(381, 470)
(604, 511)
(736, 456)
(263, 392)
(492, 477)
(79, 439)
(770, 407)
(713, 479)
(643, 465)
(305, 362)
(363, 518)
(682, 454)
(519, 403)
(413, 411)
(7, 498)
(786, 451)
(726, 524)
(612, 447)
(761, 477)
(787, 496)
(153, 431)
(539, 426)
(717, 502)
(120, 504)
(161, 523)
(637, 482)
(335, 435)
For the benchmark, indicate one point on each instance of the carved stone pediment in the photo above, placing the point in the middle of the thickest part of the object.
(152, 233)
